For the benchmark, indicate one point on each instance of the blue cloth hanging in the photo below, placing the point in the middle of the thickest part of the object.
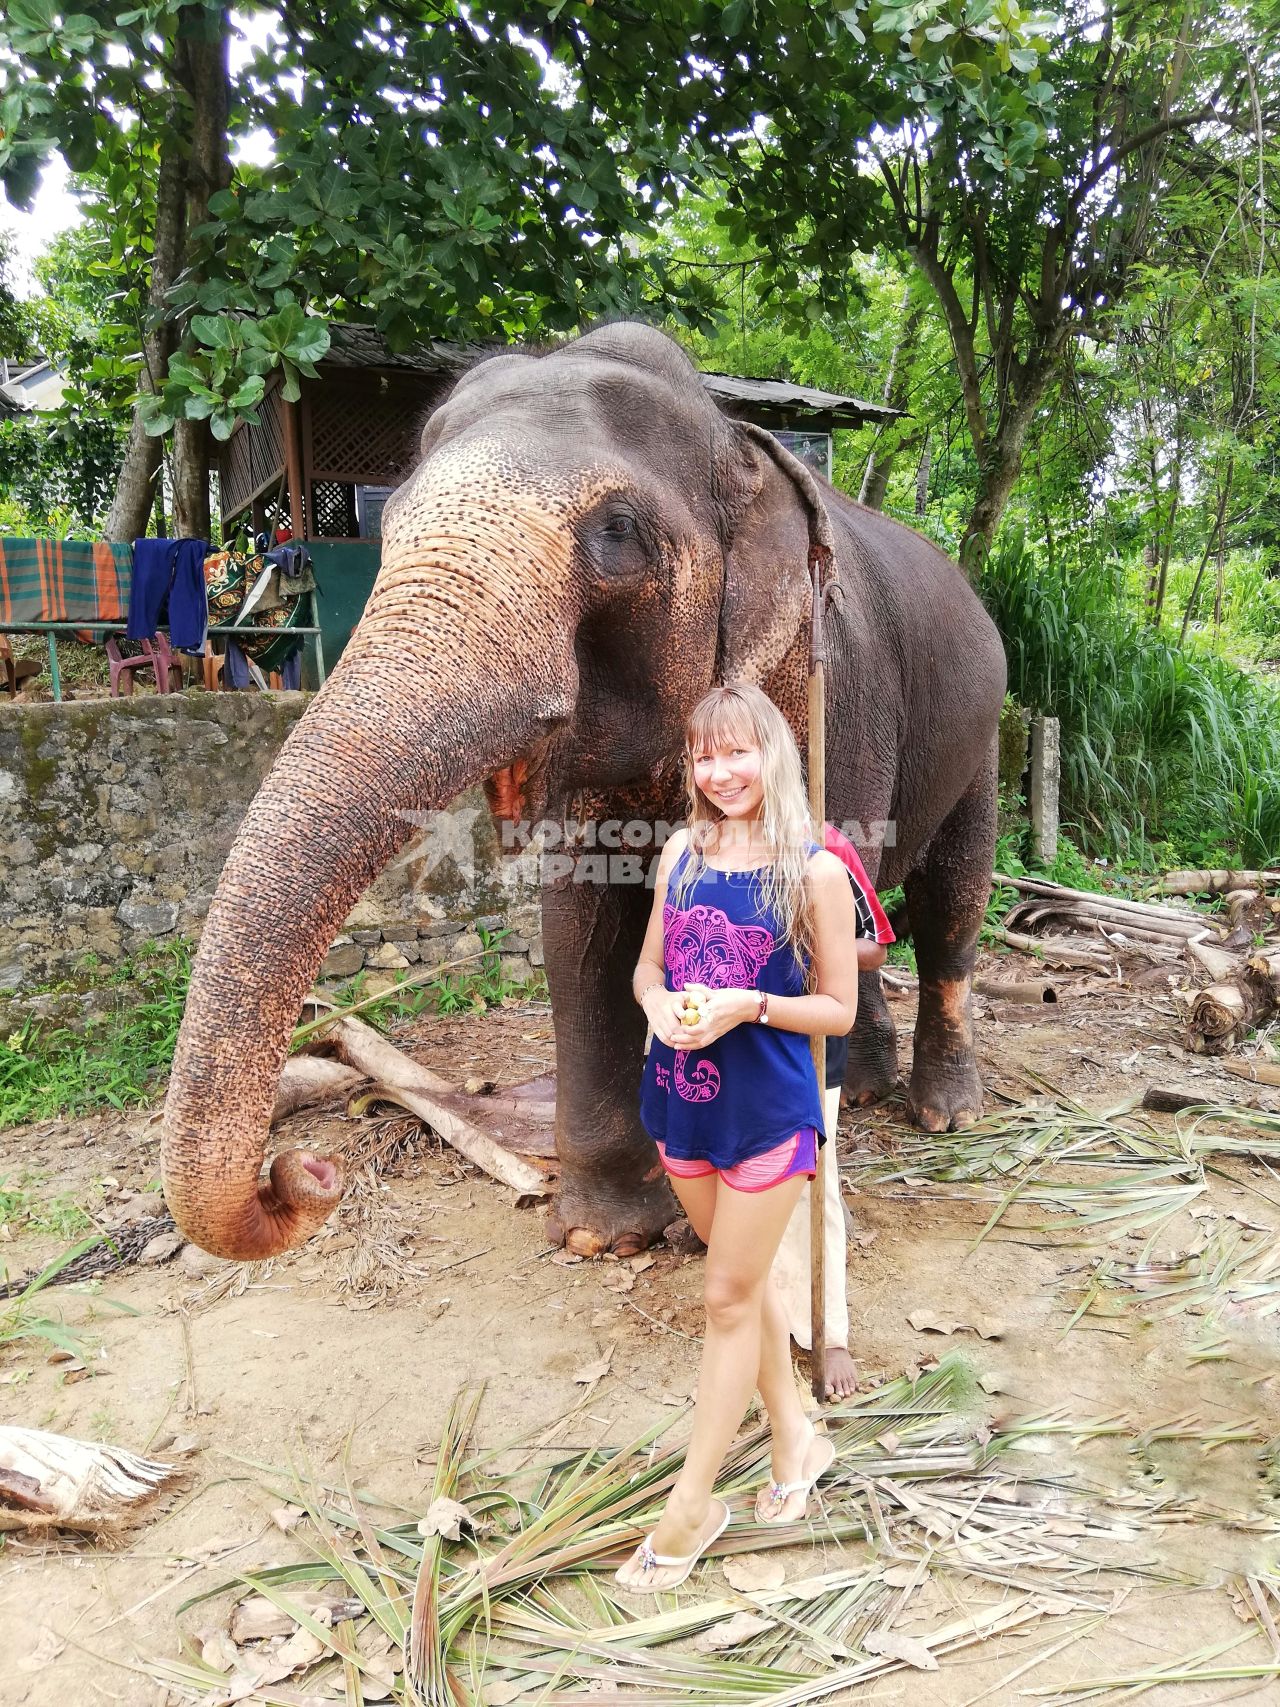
(168, 590)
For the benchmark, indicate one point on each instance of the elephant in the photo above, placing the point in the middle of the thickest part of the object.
(586, 545)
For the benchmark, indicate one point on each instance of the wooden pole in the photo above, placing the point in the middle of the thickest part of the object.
(818, 811)
(293, 464)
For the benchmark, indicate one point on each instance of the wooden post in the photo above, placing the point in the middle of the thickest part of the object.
(818, 812)
(293, 462)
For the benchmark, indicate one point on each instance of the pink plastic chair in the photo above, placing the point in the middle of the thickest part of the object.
(155, 655)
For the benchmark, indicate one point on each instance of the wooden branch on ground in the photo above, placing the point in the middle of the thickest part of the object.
(311, 1079)
(49, 1481)
(1257, 1072)
(1052, 950)
(399, 1080)
(1216, 882)
(1029, 990)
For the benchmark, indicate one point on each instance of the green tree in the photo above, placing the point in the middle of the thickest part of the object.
(425, 175)
(1018, 162)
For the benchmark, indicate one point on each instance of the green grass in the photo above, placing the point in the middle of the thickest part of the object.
(49, 1070)
(21, 1318)
(457, 993)
(55, 1217)
(1169, 756)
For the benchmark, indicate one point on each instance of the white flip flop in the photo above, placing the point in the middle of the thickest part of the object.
(668, 1561)
(783, 1490)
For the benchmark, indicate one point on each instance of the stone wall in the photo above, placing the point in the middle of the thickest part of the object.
(116, 817)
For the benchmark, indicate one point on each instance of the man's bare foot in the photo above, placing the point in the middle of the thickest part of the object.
(800, 1458)
(676, 1537)
(840, 1373)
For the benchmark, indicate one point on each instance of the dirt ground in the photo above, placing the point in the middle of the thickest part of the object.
(248, 1373)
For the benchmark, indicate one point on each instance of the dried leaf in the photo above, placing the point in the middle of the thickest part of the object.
(257, 1619)
(929, 1322)
(564, 1259)
(300, 1651)
(213, 1549)
(48, 1645)
(730, 1631)
(161, 1248)
(895, 1646)
(641, 1263)
(219, 1651)
(751, 1571)
(446, 1517)
(590, 1373)
(287, 1517)
(904, 1576)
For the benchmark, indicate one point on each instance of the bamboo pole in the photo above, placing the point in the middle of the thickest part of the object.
(818, 811)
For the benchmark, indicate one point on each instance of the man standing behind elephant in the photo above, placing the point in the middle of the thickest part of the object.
(791, 1266)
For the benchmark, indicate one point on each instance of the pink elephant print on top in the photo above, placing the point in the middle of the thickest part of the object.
(703, 946)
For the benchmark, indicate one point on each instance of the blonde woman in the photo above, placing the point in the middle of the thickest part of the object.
(745, 906)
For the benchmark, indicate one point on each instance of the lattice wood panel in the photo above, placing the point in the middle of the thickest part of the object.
(332, 513)
(252, 458)
(366, 433)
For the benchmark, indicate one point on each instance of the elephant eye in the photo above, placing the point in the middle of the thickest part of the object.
(620, 526)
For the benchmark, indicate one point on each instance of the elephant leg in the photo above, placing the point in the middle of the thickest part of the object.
(947, 897)
(613, 1193)
(873, 1046)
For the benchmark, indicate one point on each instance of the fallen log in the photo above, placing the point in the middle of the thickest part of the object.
(1159, 1101)
(1219, 963)
(411, 1086)
(1052, 950)
(1223, 1014)
(311, 1079)
(49, 1481)
(1148, 926)
(1216, 882)
(1091, 900)
(1030, 990)
(1257, 1072)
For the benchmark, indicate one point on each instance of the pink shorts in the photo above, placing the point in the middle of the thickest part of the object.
(795, 1155)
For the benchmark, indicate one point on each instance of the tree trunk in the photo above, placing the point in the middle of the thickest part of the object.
(188, 176)
(875, 479)
(202, 70)
(922, 481)
(136, 484)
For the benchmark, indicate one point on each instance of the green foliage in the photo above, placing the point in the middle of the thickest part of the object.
(48, 1071)
(20, 1316)
(453, 993)
(1163, 753)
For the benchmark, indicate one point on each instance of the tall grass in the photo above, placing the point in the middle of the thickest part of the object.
(1164, 752)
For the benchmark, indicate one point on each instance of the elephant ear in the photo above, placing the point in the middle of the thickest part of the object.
(774, 527)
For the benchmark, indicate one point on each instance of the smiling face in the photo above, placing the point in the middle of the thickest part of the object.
(728, 773)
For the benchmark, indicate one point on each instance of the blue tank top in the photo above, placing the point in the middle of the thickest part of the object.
(753, 1087)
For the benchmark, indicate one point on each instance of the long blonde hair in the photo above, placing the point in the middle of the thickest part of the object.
(742, 713)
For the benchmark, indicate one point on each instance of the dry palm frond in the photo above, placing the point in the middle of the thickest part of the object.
(49, 1481)
(523, 1598)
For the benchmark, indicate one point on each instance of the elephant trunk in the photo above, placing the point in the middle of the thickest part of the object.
(403, 724)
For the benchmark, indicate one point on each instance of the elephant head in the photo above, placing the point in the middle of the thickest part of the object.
(578, 556)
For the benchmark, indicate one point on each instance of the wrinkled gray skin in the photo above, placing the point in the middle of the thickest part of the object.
(585, 548)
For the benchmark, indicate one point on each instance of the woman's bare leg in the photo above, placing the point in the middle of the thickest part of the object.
(742, 1230)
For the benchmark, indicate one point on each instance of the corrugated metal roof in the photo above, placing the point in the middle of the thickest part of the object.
(356, 346)
(786, 396)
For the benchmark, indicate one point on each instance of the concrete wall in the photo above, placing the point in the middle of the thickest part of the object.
(116, 817)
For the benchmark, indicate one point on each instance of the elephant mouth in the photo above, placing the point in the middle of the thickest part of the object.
(521, 791)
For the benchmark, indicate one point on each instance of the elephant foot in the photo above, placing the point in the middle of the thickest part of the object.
(588, 1221)
(944, 1096)
(872, 1071)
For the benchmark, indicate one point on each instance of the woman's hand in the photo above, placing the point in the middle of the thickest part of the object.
(662, 1009)
(718, 1011)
